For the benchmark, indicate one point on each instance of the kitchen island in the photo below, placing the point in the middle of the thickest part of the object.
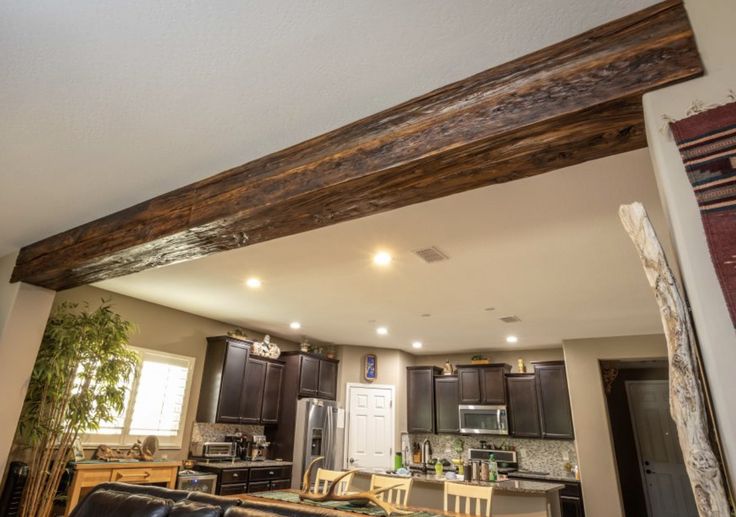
(511, 498)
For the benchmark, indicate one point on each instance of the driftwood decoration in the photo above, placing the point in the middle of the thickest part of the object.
(686, 398)
(370, 496)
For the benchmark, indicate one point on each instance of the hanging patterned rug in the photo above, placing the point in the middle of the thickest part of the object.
(707, 144)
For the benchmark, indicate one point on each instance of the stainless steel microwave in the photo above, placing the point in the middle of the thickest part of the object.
(483, 419)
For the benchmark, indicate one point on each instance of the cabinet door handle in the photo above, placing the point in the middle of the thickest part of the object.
(235, 475)
(271, 473)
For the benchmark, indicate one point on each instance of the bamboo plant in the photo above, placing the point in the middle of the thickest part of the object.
(79, 381)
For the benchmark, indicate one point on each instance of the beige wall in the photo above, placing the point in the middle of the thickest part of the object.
(24, 310)
(167, 330)
(391, 370)
(504, 356)
(593, 439)
(713, 22)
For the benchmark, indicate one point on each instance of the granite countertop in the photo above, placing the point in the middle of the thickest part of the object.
(241, 464)
(547, 477)
(521, 486)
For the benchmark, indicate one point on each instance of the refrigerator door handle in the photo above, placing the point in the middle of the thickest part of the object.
(328, 447)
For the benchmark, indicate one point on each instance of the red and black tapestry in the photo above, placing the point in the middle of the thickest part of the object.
(707, 144)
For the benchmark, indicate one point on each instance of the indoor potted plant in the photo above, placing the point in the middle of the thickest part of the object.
(79, 380)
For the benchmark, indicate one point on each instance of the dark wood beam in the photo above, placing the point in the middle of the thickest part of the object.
(571, 102)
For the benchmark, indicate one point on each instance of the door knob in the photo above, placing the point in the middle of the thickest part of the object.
(351, 460)
(648, 471)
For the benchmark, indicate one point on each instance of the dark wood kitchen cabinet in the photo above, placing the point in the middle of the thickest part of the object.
(317, 375)
(420, 404)
(272, 393)
(554, 400)
(523, 405)
(222, 381)
(447, 398)
(483, 384)
(261, 391)
(251, 402)
(237, 387)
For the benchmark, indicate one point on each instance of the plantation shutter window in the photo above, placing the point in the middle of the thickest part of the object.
(160, 400)
(155, 404)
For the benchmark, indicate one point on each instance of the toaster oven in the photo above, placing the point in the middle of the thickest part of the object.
(213, 449)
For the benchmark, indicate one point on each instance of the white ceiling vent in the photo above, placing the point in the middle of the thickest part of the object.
(510, 319)
(431, 254)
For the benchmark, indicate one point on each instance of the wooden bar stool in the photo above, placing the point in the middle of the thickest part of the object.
(398, 495)
(325, 478)
(476, 494)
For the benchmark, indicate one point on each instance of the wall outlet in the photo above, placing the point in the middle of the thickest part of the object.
(521, 453)
(565, 456)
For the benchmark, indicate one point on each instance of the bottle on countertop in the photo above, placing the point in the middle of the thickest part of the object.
(416, 454)
(492, 468)
(467, 471)
(485, 471)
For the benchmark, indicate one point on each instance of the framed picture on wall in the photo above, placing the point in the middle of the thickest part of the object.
(370, 367)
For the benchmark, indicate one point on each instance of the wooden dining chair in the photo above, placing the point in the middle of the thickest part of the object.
(398, 495)
(476, 494)
(325, 478)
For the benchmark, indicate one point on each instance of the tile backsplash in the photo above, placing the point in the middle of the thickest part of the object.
(205, 432)
(533, 454)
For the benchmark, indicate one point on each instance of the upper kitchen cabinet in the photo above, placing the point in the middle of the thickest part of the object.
(523, 405)
(222, 380)
(483, 384)
(238, 388)
(420, 403)
(554, 400)
(447, 397)
(317, 375)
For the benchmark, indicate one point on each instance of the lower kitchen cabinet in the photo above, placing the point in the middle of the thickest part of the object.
(241, 480)
(571, 500)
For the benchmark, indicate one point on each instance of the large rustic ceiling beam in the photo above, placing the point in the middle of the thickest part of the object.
(571, 102)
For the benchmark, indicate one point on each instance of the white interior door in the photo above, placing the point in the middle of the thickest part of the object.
(666, 484)
(370, 426)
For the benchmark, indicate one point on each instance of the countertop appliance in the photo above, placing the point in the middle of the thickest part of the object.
(315, 435)
(483, 419)
(194, 481)
(214, 449)
(507, 461)
(257, 447)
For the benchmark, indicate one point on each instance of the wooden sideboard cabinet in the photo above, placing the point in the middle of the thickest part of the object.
(88, 475)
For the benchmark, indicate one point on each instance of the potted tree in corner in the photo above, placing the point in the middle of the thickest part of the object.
(80, 379)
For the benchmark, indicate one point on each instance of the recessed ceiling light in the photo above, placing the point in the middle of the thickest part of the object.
(382, 258)
(416, 344)
(295, 325)
(489, 309)
(382, 331)
(512, 339)
(253, 282)
(425, 315)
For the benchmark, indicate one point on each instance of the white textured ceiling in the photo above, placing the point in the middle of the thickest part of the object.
(549, 249)
(105, 103)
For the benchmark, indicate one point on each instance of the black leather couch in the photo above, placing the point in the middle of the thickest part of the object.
(123, 500)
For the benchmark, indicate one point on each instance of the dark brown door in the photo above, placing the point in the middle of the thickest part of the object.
(446, 393)
(327, 380)
(493, 385)
(420, 400)
(469, 383)
(272, 393)
(309, 376)
(523, 406)
(554, 400)
(233, 371)
(251, 401)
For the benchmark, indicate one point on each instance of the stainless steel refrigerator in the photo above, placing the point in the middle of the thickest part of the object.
(315, 435)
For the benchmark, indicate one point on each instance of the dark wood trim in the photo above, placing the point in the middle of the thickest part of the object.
(574, 101)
